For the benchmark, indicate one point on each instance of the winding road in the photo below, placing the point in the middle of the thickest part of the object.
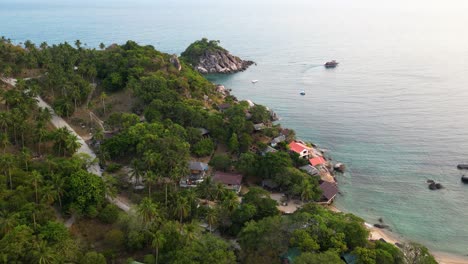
(59, 122)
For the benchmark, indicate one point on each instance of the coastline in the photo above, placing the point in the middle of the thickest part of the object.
(390, 237)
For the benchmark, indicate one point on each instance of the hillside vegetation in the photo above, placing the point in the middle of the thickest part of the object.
(152, 114)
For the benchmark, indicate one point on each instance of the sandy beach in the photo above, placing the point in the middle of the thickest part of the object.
(376, 234)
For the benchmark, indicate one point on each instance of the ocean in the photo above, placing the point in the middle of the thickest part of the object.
(394, 111)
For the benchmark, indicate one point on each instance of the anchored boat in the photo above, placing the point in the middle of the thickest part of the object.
(462, 166)
(464, 179)
(331, 64)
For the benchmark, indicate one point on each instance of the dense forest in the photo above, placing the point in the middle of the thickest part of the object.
(146, 119)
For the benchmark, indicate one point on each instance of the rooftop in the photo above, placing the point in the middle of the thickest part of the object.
(317, 161)
(227, 178)
(198, 166)
(298, 147)
(329, 190)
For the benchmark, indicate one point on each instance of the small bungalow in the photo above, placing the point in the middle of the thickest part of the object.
(197, 174)
(329, 192)
(277, 140)
(300, 148)
(267, 150)
(317, 161)
(204, 132)
(312, 171)
(259, 126)
(231, 181)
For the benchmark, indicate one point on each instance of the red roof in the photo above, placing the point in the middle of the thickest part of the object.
(317, 161)
(297, 147)
(227, 178)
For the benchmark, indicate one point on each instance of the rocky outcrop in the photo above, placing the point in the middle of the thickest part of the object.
(175, 61)
(221, 61)
(207, 56)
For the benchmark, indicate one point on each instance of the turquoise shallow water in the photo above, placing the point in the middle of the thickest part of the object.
(395, 110)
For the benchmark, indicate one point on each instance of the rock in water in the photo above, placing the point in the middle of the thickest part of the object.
(208, 57)
(435, 186)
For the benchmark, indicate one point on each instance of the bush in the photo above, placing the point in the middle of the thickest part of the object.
(149, 259)
(114, 239)
(221, 162)
(203, 147)
(93, 258)
(113, 167)
(109, 214)
(135, 240)
(91, 211)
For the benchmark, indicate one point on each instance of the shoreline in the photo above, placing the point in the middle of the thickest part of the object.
(390, 237)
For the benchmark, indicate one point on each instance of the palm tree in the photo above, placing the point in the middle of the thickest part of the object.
(71, 143)
(150, 178)
(109, 185)
(41, 133)
(48, 195)
(58, 184)
(78, 44)
(182, 208)
(231, 202)
(26, 157)
(192, 230)
(135, 172)
(157, 242)
(59, 137)
(44, 115)
(8, 221)
(5, 141)
(4, 121)
(103, 97)
(147, 210)
(36, 178)
(43, 254)
(7, 162)
(211, 218)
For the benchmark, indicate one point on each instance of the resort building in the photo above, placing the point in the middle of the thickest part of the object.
(277, 140)
(311, 170)
(300, 148)
(231, 181)
(317, 161)
(329, 192)
(197, 174)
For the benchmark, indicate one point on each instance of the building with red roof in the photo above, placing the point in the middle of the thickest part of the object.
(317, 161)
(300, 148)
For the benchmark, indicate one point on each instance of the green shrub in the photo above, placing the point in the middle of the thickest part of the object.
(109, 214)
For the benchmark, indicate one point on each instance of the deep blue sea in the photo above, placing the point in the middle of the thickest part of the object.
(395, 111)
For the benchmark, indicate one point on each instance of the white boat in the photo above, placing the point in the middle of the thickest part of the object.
(302, 92)
(254, 81)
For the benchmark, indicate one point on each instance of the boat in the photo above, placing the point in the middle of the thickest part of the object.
(331, 64)
(254, 81)
(462, 166)
(464, 179)
(302, 92)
